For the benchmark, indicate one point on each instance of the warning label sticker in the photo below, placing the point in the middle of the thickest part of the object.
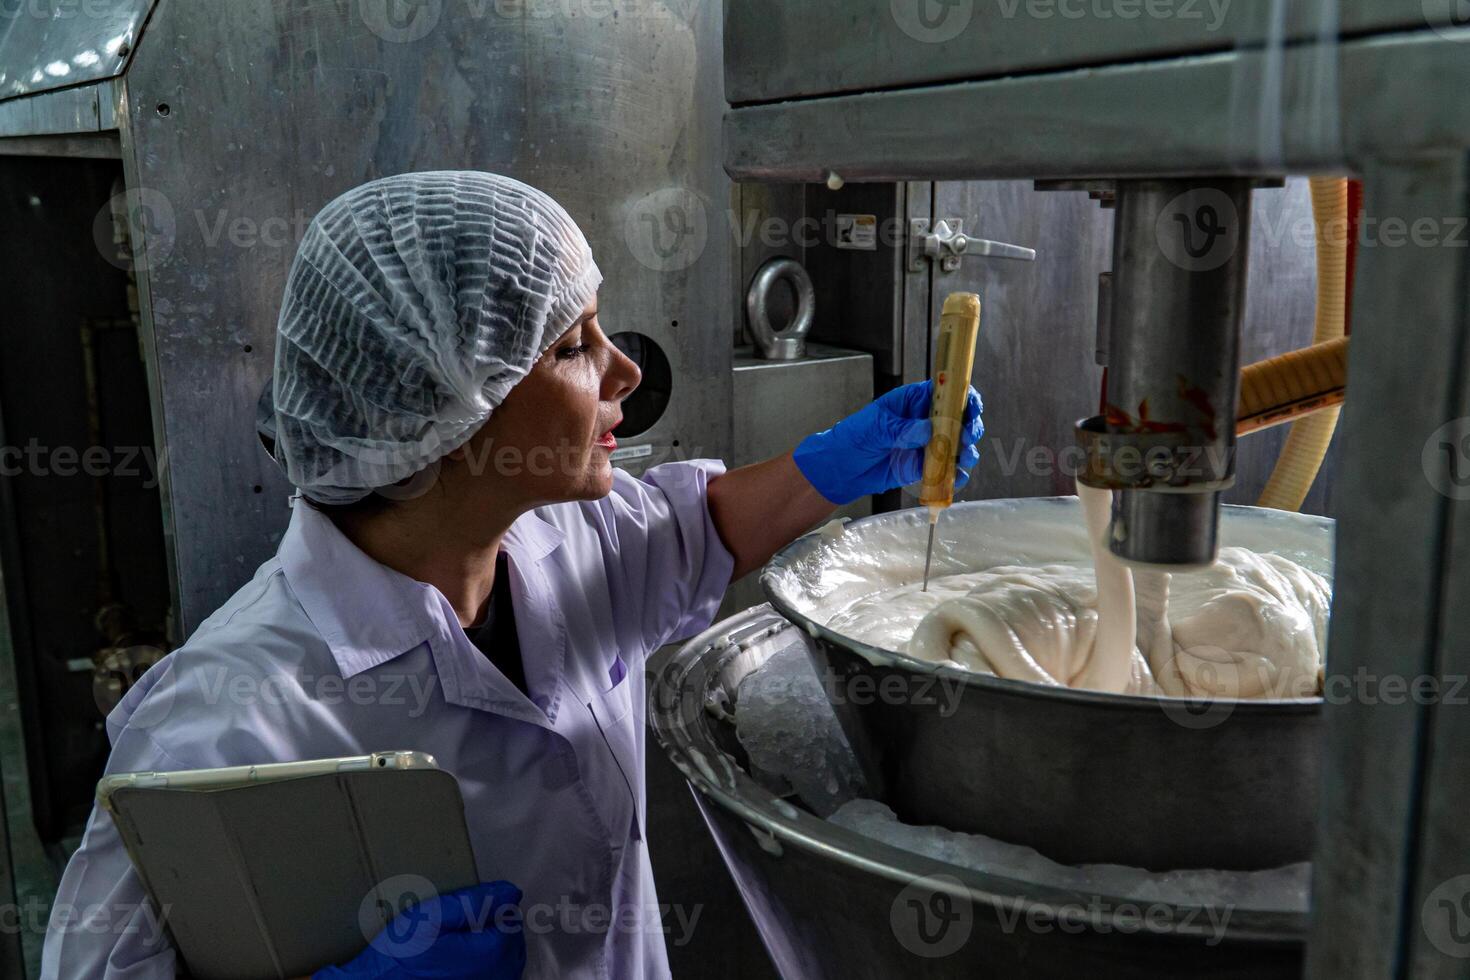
(857, 231)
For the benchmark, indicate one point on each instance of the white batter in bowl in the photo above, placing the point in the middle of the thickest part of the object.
(1027, 607)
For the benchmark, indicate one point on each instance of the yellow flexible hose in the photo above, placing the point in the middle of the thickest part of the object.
(1291, 385)
(1306, 444)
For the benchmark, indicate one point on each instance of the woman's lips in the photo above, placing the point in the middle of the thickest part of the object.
(607, 440)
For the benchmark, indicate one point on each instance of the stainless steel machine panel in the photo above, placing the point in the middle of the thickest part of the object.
(776, 403)
(84, 109)
(1035, 362)
(51, 44)
(1328, 107)
(782, 49)
(1390, 887)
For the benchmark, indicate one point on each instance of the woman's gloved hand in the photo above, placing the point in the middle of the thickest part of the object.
(881, 446)
(474, 932)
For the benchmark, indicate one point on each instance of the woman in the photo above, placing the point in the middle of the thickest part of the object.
(466, 575)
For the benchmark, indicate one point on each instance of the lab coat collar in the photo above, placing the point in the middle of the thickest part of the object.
(366, 612)
(532, 538)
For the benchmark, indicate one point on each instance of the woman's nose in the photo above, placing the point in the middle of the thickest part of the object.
(621, 377)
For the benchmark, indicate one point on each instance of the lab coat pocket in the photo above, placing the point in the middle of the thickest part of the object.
(613, 704)
(611, 709)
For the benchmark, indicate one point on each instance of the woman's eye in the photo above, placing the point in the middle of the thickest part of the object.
(567, 353)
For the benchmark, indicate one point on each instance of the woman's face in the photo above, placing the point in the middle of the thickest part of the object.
(552, 436)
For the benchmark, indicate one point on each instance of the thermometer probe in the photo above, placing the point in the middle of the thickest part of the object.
(954, 355)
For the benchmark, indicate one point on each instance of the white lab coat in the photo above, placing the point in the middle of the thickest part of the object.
(325, 653)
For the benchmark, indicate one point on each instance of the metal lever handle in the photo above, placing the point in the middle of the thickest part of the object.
(948, 243)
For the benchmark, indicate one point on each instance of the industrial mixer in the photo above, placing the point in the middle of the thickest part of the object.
(1084, 778)
(1176, 124)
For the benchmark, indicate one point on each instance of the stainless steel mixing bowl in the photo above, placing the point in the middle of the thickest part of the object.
(832, 903)
(1083, 777)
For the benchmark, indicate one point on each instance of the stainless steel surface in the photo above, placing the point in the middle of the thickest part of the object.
(1176, 529)
(52, 44)
(833, 903)
(1034, 362)
(236, 170)
(775, 404)
(947, 242)
(916, 305)
(1178, 295)
(929, 552)
(783, 50)
(95, 146)
(788, 343)
(1392, 835)
(85, 109)
(1104, 192)
(1104, 316)
(1203, 115)
(1238, 789)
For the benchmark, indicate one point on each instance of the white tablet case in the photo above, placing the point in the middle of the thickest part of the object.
(270, 880)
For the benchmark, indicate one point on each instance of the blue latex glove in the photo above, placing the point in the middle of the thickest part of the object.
(474, 932)
(881, 446)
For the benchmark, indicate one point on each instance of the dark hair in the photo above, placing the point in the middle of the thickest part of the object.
(369, 506)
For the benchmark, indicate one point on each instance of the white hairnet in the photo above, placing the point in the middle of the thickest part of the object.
(414, 304)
